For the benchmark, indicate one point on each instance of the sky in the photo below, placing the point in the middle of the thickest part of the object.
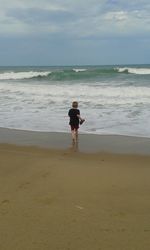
(74, 32)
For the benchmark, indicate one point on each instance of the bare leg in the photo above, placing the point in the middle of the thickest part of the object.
(74, 134)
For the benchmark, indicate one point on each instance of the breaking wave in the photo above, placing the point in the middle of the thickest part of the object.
(22, 75)
(72, 73)
(137, 71)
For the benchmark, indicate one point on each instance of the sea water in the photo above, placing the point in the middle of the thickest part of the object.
(112, 99)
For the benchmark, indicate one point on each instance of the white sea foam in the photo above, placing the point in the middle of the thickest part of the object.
(79, 70)
(138, 71)
(21, 75)
(107, 107)
(59, 94)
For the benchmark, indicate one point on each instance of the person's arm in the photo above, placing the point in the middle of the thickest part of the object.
(81, 119)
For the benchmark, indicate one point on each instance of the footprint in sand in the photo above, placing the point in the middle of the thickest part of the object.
(4, 202)
(4, 206)
(45, 175)
(24, 185)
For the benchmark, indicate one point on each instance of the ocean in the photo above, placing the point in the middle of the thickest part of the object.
(113, 99)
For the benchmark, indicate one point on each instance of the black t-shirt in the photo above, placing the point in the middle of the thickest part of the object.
(74, 120)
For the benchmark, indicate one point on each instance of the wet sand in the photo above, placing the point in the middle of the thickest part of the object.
(64, 198)
(88, 143)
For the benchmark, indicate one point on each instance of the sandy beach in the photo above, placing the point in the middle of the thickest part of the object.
(94, 197)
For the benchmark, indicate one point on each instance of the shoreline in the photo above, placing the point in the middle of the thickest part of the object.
(88, 143)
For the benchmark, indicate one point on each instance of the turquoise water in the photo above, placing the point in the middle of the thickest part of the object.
(76, 73)
(113, 99)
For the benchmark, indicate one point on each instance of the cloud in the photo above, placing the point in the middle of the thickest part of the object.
(30, 17)
(75, 19)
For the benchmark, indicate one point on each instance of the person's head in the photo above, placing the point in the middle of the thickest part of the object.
(75, 105)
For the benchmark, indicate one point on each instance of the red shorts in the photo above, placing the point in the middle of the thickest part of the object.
(74, 127)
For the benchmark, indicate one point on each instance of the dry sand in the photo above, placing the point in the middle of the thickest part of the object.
(66, 200)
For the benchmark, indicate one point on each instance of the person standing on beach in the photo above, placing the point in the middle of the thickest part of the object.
(75, 120)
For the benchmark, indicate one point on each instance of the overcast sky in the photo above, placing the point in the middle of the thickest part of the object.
(74, 32)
